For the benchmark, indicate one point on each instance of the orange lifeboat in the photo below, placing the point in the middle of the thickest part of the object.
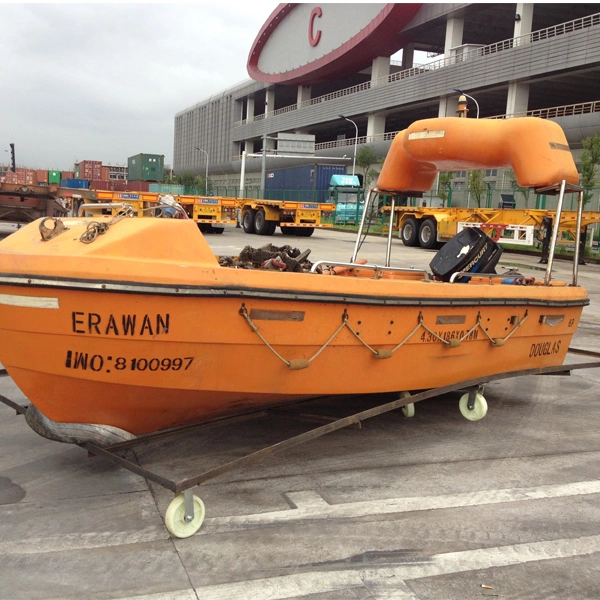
(142, 329)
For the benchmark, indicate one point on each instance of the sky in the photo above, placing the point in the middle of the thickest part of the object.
(104, 81)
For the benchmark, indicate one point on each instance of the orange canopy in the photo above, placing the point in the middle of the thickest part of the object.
(536, 149)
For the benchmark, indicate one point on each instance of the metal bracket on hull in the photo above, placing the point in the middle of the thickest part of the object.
(57, 228)
(74, 433)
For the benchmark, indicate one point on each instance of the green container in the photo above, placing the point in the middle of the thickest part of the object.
(54, 177)
(145, 167)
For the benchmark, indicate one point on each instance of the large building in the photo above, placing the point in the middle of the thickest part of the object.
(311, 63)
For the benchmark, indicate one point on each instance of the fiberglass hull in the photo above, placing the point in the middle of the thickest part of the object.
(144, 345)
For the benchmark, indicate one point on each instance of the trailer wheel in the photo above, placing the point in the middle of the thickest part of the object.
(261, 225)
(479, 409)
(304, 231)
(175, 517)
(410, 232)
(272, 226)
(287, 230)
(218, 229)
(248, 220)
(428, 234)
(409, 409)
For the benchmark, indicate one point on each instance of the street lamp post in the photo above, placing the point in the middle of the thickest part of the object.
(355, 140)
(467, 95)
(206, 176)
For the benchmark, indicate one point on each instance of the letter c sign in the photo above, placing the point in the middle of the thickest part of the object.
(312, 37)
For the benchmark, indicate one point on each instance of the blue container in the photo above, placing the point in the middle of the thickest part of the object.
(167, 188)
(305, 183)
(77, 184)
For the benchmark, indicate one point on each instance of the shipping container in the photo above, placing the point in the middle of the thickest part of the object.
(68, 175)
(54, 176)
(137, 186)
(166, 188)
(41, 176)
(105, 174)
(98, 184)
(145, 167)
(306, 183)
(80, 184)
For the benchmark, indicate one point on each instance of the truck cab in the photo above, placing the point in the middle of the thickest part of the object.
(346, 193)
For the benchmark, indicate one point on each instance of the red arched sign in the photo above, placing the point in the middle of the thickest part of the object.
(378, 35)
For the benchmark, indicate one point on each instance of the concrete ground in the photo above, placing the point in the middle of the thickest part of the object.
(429, 508)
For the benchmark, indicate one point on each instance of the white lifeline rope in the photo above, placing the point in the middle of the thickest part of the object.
(296, 364)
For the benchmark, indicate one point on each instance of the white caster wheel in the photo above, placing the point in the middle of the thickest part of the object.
(175, 517)
(479, 409)
(409, 409)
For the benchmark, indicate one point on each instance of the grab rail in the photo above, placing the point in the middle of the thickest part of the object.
(376, 268)
(490, 276)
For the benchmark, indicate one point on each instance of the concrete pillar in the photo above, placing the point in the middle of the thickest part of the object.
(408, 56)
(304, 94)
(518, 98)
(249, 145)
(270, 100)
(250, 109)
(375, 124)
(379, 68)
(523, 22)
(454, 34)
(448, 106)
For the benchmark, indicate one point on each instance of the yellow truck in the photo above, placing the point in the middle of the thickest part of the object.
(428, 226)
(293, 218)
(212, 213)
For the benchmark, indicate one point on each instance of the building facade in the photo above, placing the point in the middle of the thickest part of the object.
(313, 63)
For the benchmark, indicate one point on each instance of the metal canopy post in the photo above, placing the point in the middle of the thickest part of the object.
(368, 200)
(388, 253)
(561, 197)
(577, 239)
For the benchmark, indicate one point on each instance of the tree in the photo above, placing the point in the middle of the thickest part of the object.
(365, 159)
(514, 184)
(444, 181)
(477, 186)
(186, 179)
(193, 183)
(590, 159)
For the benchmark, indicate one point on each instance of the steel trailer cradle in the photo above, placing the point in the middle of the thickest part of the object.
(184, 486)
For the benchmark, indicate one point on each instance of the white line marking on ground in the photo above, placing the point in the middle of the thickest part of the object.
(179, 595)
(83, 541)
(309, 509)
(308, 499)
(304, 584)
